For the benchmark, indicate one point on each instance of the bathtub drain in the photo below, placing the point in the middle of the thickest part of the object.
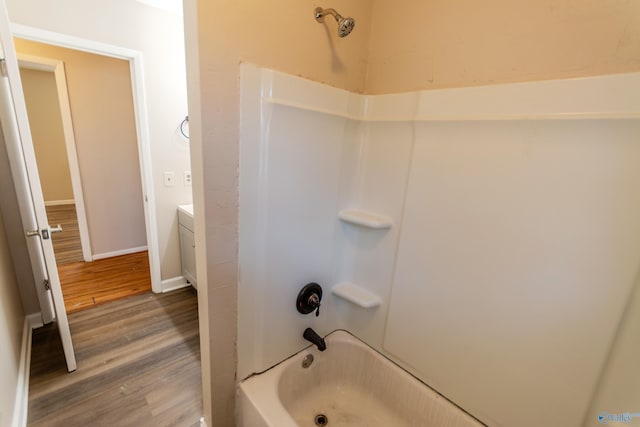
(307, 361)
(321, 420)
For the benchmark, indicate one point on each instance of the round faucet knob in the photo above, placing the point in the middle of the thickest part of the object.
(309, 299)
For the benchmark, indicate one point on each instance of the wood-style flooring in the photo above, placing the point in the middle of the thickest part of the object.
(66, 244)
(138, 365)
(85, 284)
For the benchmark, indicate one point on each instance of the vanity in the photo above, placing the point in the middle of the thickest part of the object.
(187, 243)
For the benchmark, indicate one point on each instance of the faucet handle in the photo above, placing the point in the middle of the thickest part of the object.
(309, 299)
(314, 301)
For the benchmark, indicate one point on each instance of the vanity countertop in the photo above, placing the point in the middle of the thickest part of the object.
(185, 216)
(188, 209)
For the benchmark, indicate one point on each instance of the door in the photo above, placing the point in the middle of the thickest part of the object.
(15, 128)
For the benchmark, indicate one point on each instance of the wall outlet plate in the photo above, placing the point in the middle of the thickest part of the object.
(169, 179)
(187, 178)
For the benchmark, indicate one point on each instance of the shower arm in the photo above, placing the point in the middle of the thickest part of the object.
(321, 13)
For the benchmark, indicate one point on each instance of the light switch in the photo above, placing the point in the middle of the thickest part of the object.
(169, 179)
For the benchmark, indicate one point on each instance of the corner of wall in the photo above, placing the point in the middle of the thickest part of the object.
(22, 389)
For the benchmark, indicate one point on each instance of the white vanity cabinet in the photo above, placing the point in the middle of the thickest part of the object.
(187, 243)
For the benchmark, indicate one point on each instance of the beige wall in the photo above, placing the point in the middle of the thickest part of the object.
(11, 326)
(101, 102)
(45, 121)
(282, 36)
(417, 44)
(413, 45)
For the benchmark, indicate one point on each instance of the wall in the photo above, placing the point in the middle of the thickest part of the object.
(101, 103)
(503, 256)
(11, 328)
(619, 388)
(500, 246)
(158, 35)
(296, 230)
(284, 36)
(45, 121)
(438, 43)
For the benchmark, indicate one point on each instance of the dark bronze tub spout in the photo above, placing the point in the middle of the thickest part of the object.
(311, 336)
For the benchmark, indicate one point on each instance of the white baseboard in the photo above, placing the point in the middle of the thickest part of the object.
(118, 253)
(174, 283)
(35, 320)
(60, 202)
(21, 406)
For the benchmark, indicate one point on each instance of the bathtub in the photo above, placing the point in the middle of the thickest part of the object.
(349, 384)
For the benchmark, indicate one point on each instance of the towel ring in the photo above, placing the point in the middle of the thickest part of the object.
(185, 121)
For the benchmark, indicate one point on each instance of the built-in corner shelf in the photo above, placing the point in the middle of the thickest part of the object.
(365, 219)
(356, 295)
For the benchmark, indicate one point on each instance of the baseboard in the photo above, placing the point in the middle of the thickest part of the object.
(119, 253)
(35, 320)
(174, 283)
(60, 202)
(21, 407)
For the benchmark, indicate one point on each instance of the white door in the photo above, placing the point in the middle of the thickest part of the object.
(17, 135)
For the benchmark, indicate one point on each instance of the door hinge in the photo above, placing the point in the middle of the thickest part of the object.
(47, 285)
(3, 67)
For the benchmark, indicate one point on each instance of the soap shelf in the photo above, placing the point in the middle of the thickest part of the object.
(356, 295)
(365, 219)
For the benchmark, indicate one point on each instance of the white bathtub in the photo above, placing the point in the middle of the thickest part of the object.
(351, 385)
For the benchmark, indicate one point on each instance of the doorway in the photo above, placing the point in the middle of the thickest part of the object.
(45, 86)
(91, 182)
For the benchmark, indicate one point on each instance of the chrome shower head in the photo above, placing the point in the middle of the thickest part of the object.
(345, 25)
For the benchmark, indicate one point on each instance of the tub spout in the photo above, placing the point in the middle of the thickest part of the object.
(311, 336)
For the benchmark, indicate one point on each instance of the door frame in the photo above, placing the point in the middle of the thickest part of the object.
(38, 63)
(134, 58)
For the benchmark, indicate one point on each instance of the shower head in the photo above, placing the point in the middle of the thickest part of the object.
(345, 25)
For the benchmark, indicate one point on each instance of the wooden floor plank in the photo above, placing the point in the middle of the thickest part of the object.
(66, 244)
(85, 284)
(138, 365)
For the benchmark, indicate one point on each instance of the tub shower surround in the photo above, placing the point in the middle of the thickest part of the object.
(485, 239)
